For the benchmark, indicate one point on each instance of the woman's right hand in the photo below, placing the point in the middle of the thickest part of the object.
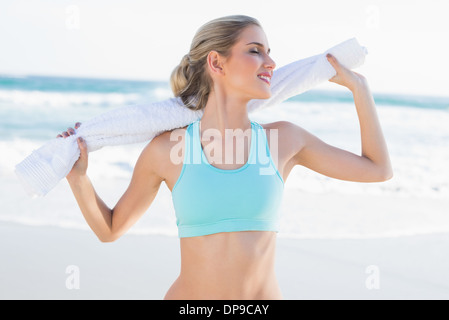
(80, 166)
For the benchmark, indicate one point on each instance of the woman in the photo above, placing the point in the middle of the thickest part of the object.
(227, 212)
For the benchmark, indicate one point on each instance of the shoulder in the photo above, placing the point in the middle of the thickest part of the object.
(166, 140)
(280, 125)
(286, 130)
(291, 138)
(157, 151)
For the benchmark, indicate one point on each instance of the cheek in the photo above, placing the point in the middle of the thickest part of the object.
(245, 69)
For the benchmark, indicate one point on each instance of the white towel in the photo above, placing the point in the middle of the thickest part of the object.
(45, 167)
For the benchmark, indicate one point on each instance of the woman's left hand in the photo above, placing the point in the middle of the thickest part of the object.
(345, 77)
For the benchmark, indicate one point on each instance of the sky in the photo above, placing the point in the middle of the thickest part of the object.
(408, 50)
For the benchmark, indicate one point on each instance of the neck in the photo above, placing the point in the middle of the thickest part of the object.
(224, 111)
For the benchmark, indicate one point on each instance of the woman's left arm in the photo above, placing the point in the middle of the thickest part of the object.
(374, 163)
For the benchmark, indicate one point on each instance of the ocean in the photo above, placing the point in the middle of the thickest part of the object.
(34, 109)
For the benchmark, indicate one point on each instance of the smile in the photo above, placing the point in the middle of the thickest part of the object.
(265, 78)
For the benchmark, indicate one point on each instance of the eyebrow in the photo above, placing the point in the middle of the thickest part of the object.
(260, 45)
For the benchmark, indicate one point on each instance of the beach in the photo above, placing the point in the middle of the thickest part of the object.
(337, 239)
(331, 246)
(41, 263)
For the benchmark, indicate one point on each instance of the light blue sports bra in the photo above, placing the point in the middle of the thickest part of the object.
(210, 200)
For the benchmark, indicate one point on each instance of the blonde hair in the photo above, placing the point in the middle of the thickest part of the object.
(190, 80)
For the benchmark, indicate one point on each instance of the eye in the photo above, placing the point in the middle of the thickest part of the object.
(254, 51)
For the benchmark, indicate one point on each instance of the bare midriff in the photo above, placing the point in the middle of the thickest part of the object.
(227, 265)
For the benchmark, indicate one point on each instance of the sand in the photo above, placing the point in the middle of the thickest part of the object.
(42, 262)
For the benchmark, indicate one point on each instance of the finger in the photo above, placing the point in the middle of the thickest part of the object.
(83, 146)
(77, 125)
(65, 134)
(71, 131)
(333, 79)
(59, 136)
(333, 61)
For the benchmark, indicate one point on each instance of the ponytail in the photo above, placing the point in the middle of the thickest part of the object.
(190, 80)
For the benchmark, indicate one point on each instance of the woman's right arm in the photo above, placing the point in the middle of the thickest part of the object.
(109, 224)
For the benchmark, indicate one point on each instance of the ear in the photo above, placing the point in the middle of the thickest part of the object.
(215, 63)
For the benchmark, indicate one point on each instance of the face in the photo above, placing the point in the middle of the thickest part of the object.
(248, 70)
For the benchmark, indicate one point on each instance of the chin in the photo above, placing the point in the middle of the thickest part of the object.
(260, 93)
(264, 95)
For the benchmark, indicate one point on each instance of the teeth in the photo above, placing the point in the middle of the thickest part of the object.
(265, 78)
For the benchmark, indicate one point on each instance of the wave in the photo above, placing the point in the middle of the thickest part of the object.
(382, 99)
(415, 130)
(171, 231)
(23, 99)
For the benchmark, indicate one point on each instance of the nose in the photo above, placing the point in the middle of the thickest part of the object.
(269, 63)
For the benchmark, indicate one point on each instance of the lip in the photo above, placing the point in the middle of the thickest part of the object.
(265, 74)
